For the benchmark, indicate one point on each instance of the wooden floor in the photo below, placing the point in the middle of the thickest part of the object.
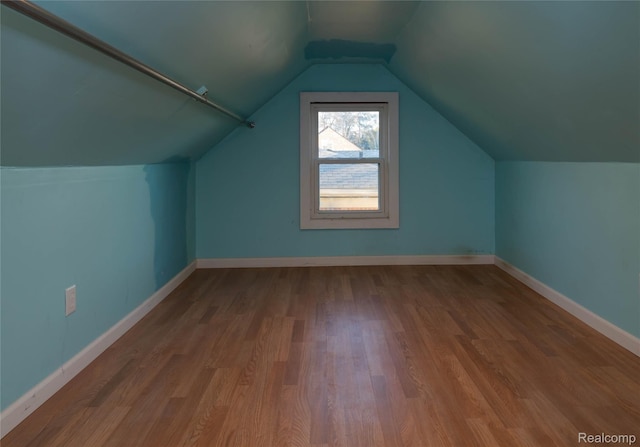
(360, 356)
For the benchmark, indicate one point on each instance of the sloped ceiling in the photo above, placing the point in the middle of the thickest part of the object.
(530, 80)
(524, 80)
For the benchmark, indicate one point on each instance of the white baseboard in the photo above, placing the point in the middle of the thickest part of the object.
(609, 330)
(29, 402)
(325, 261)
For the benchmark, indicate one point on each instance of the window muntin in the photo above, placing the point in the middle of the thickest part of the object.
(349, 157)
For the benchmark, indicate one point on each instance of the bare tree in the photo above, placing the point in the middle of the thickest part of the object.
(359, 127)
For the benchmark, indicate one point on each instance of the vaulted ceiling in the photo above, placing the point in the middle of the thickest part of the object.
(553, 81)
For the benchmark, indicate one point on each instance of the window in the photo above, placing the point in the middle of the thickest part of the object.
(348, 160)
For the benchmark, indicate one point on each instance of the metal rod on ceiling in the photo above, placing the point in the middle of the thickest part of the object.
(43, 16)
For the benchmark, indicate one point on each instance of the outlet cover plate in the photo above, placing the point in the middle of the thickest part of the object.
(70, 300)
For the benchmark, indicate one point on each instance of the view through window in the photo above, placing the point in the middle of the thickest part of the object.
(349, 156)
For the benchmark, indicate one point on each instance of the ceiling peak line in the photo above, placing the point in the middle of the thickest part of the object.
(56, 23)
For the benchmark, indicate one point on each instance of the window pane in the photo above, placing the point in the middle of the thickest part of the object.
(349, 134)
(349, 187)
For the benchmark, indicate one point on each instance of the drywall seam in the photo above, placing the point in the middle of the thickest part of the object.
(609, 330)
(320, 261)
(30, 401)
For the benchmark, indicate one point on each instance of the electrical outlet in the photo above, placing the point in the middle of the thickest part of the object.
(70, 300)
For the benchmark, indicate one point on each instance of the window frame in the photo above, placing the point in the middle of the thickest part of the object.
(311, 217)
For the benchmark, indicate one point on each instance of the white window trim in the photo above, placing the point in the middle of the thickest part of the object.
(310, 217)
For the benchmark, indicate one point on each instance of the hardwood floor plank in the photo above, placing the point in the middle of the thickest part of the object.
(206, 431)
(318, 395)
(112, 384)
(401, 358)
(102, 432)
(388, 423)
(284, 434)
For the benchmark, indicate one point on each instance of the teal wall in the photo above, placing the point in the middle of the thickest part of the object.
(118, 233)
(247, 193)
(576, 228)
(191, 213)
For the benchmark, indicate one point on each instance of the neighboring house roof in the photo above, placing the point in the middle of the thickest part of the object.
(352, 176)
(329, 139)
